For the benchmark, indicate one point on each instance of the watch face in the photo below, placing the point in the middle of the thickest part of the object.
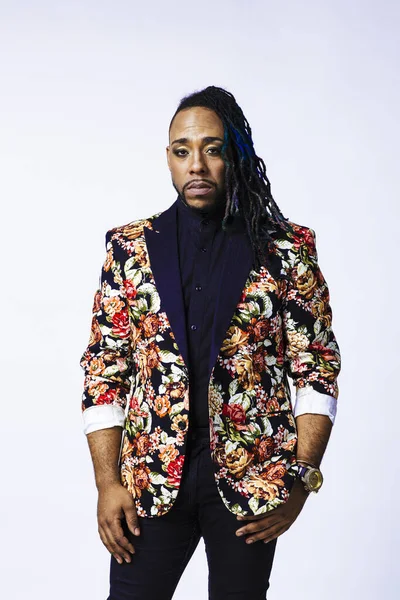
(315, 479)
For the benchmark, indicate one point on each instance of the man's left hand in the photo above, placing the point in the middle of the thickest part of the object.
(268, 526)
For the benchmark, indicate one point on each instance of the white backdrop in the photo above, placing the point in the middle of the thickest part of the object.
(87, 92)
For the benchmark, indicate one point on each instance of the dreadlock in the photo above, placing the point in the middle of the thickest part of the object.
(248, 190)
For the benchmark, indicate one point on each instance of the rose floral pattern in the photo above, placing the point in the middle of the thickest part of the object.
(280, 327)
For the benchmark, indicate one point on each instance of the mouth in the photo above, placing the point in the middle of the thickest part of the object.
(198, 189)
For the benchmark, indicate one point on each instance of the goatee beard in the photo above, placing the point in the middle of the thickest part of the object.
(202, 211)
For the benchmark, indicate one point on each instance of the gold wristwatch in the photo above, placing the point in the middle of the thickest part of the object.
(311, 477)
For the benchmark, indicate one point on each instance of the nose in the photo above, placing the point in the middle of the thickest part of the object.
(198, 163)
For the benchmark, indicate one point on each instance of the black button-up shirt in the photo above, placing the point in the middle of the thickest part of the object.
(201, 245)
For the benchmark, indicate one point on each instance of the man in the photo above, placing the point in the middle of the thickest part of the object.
(201, 313)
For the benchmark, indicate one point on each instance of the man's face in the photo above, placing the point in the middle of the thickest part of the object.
(194, 155)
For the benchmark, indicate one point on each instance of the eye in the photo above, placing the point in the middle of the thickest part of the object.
(178, 151)
(217, 150)
(214, 150)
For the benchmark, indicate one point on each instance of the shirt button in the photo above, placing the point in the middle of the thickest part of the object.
(198, 288)
(203, 249)
(193, 327)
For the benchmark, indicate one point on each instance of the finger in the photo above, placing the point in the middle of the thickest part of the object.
(250, 529)
(269, 538)
(131, 518)
(119, 538)
(119, 543)
(272, 533)
(257, 526)
(267, 535)
(107, 544)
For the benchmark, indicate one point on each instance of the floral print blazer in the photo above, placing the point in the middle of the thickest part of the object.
(135, 363)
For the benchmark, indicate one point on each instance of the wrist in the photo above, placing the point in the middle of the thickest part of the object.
(301, 490)
(106, 484)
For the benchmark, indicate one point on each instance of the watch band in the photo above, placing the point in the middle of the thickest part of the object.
(307, 463)
(302, 469)
(300, 473)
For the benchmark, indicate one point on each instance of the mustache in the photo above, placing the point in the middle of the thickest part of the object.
(206, 181)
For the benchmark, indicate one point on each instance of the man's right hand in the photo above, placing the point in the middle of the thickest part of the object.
(115, 503)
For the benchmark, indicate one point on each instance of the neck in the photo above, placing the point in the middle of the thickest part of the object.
(215, 210)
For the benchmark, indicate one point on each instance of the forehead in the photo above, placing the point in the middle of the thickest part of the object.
(195, 122)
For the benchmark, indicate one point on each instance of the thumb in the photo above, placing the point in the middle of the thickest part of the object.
(132, 518)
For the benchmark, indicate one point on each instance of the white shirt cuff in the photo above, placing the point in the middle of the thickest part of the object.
(102, 417)
(309, 400)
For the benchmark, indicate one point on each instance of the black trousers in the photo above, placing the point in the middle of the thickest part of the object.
(237, 570)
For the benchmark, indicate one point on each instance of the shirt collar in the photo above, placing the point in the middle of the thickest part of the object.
(192, 216)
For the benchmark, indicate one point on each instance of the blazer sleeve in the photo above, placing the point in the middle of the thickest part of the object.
(107, 359)
(312, 354)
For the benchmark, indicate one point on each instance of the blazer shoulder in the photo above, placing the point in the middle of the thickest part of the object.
(297, 235)
(291, 246)
(125, 235)
(296, 230)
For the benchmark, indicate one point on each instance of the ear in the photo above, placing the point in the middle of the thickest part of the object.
(168, 155)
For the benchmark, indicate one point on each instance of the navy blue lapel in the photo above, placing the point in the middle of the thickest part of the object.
(237, 267)
(162, 247)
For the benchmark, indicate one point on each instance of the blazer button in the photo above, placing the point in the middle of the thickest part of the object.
(193, 327)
